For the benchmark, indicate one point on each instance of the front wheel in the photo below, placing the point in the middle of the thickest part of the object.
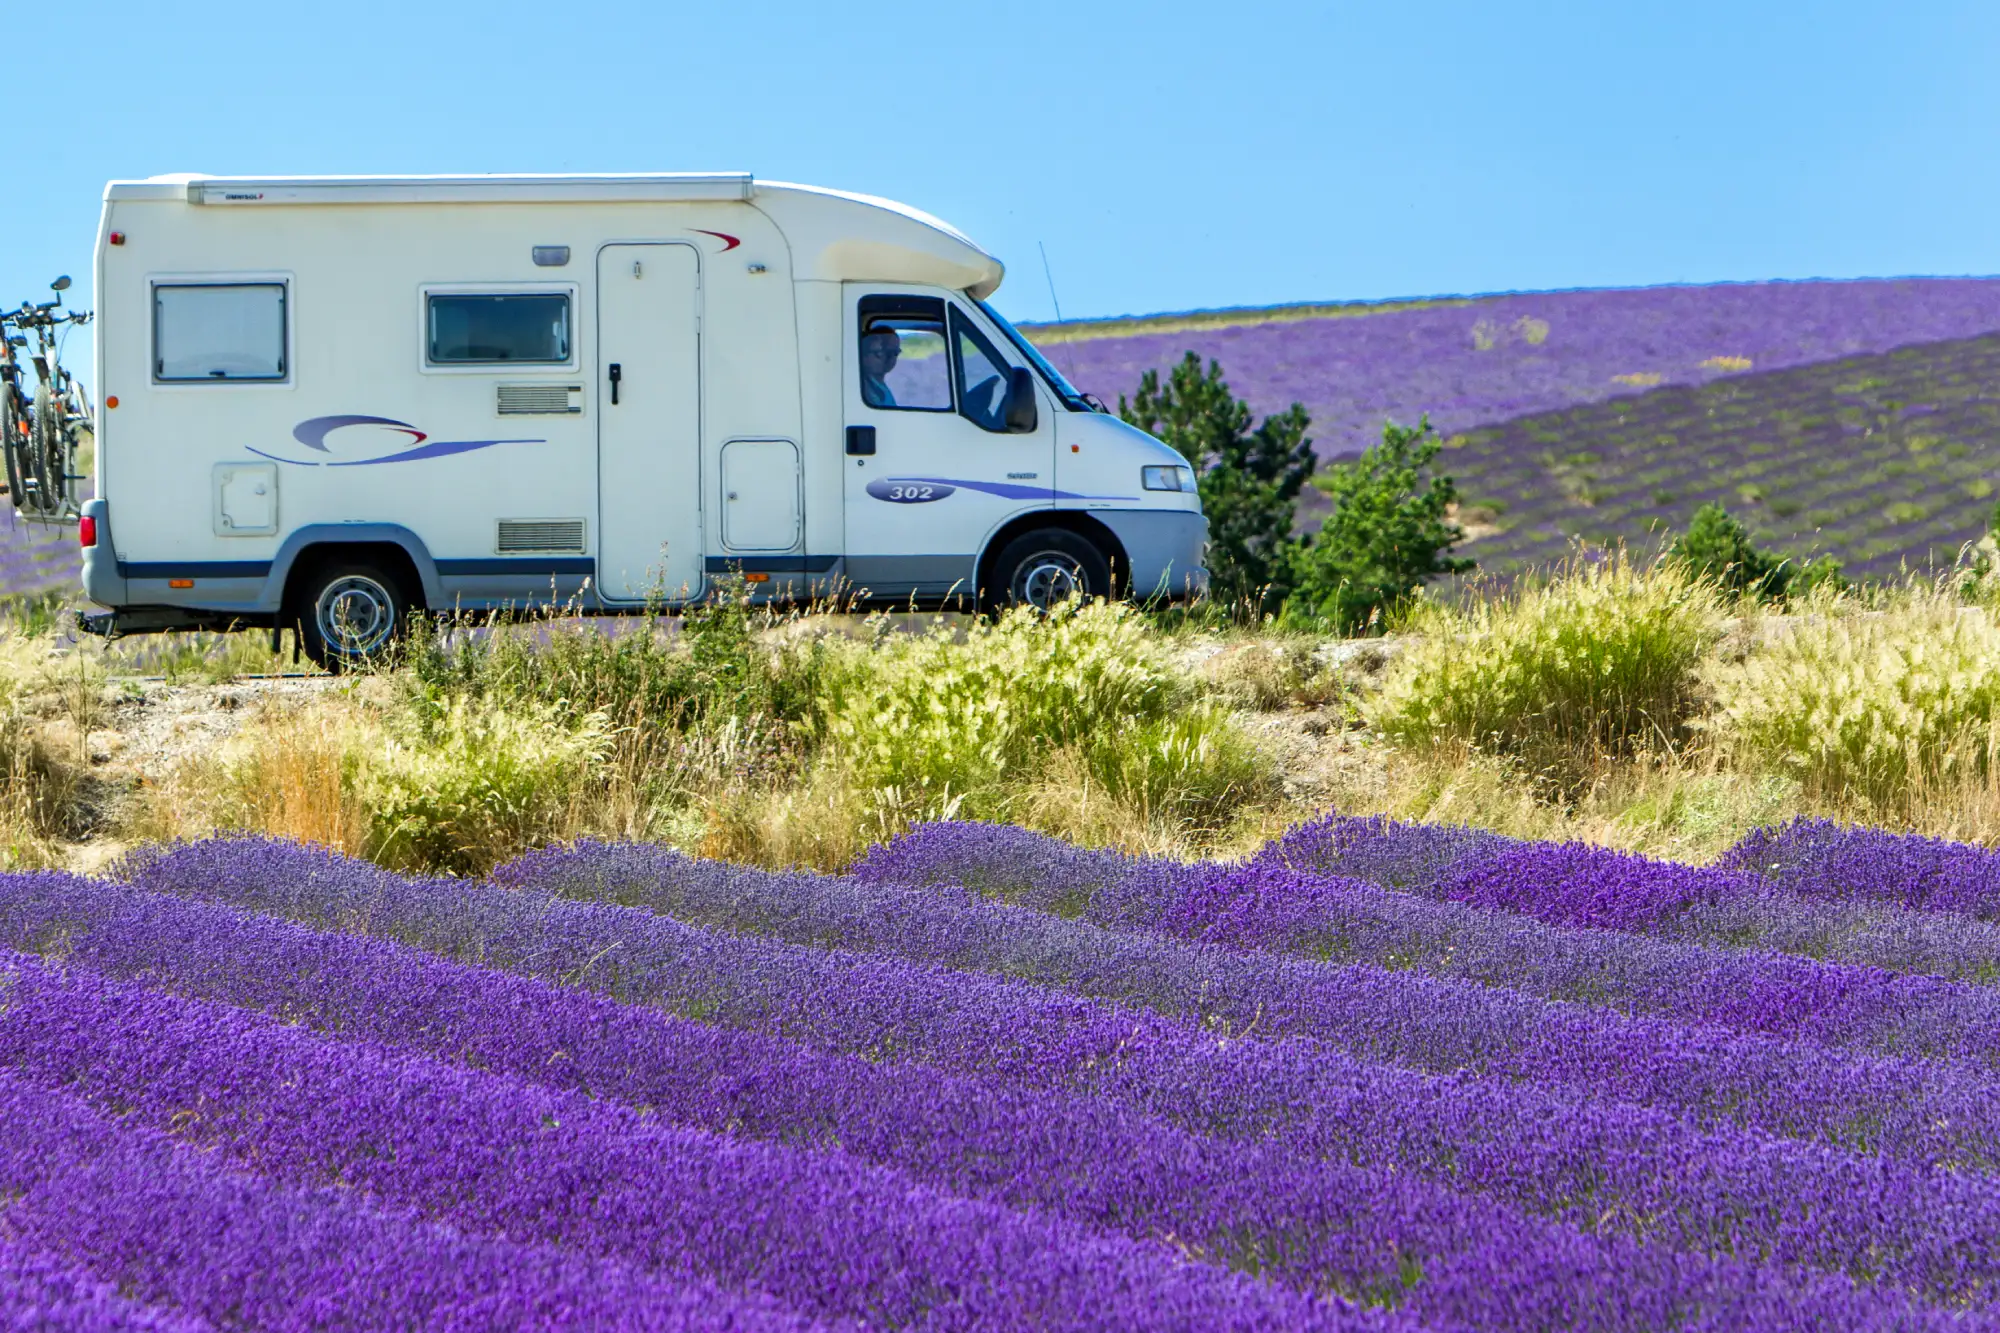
(351, 616)
(1049, 566)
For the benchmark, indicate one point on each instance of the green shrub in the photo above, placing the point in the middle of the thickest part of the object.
(1192, 765)
(1601, 662)
(1877, 706)
(1386, 537)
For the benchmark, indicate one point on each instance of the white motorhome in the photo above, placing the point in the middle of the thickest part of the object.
(328, 400)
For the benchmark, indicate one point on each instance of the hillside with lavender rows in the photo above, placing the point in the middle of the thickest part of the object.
(1845, 417)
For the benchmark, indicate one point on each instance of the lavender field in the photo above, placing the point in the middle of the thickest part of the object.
(1485, 361)
(36, 558)
(1852, 418)
(1379, 1076)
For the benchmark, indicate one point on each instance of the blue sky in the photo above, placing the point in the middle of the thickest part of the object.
(1169, 156)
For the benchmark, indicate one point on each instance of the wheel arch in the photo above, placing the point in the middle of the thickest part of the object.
(389, 557)
(394, 549)
(1069, 520)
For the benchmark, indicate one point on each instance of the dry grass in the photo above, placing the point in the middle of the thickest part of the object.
(290, 772)
(802, 741)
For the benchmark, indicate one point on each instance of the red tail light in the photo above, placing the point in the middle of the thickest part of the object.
(86, 531)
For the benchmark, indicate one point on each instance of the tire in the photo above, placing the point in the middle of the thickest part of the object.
(14, 443)
(1047, 566)
(47, 456)
(351, 616)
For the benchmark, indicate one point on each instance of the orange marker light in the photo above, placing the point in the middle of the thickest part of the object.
(1076, 448)
(112, 401)
(180, 583)
(756, 578)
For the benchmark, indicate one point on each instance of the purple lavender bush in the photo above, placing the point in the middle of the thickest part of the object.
(1817, 858)
(1268, 904)
(41, 1293)
(496, 1155)
(990, 1081)
(166, 1225)
(1365, 1234)
(1916, 1111)
(1544, 1147)
(1712, 907)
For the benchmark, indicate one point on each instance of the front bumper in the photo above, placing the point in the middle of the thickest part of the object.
(1165, 550)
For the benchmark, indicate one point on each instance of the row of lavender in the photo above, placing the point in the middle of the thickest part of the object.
(622, 1088)
(1872, 459)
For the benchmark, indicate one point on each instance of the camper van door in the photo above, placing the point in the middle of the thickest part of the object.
(648, 422)
(932, 468)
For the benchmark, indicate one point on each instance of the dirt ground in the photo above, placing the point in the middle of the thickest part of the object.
(146, 728)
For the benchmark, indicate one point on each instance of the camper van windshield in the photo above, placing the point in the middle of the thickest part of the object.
(1072, 399)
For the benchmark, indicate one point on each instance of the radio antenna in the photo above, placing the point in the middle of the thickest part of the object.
(1049, 274)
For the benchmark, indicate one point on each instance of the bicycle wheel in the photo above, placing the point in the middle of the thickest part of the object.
(13, 437)
(46, 490)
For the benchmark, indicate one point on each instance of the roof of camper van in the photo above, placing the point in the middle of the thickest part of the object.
(834, 234)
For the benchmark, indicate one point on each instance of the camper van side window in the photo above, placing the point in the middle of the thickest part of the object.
(519, 329)
(904, 367)
(218, 332)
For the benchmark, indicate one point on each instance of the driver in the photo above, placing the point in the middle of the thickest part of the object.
(880, 347)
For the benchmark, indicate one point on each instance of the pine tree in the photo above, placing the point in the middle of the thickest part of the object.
(1717, 546)
(1249, 477)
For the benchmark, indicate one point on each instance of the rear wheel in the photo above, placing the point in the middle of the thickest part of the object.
(351, 615)
(1048, 566)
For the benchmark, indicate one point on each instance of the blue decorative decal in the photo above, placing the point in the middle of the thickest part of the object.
(313, 434)
(909, 491)
(919, 490)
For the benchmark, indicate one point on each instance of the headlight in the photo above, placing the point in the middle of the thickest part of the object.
(1170, 478)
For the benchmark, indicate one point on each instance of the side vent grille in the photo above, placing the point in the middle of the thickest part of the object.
(523, 536)
(533, 400)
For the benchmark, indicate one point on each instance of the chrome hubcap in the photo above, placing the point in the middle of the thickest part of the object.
(356, 616)
(1048, 578)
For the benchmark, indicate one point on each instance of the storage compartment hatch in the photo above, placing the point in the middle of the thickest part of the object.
(246, 499)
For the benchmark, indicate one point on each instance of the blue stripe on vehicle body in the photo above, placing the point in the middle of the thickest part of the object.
(194, 569)
(581, 564)
(770, 564)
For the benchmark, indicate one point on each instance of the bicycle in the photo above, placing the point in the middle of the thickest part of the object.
(41, 439)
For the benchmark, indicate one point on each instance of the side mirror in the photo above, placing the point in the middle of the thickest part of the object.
(1019, 411)
(60, 284)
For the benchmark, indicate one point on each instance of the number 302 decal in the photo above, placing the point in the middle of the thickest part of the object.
(908, 491)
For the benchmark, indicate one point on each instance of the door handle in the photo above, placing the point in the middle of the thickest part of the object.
(860, 439)
(617, 374)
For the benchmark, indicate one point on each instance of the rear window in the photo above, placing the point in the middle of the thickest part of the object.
(216, 332)
(515, 329)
